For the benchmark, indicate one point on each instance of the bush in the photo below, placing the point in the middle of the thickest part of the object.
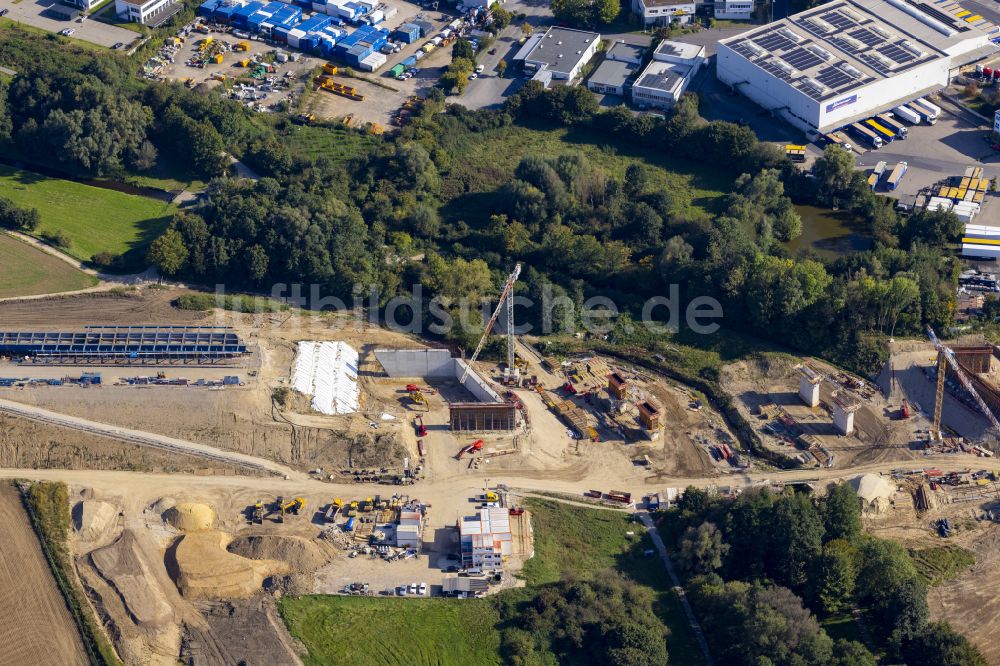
(239, 303)
(59, 238)
(105, 259)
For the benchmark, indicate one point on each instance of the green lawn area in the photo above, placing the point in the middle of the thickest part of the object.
(339, 144)
(381, 632)
(489, 157)
(96, 219)
(25, 271)
(842, 625)
(942, 563)
(436, 631)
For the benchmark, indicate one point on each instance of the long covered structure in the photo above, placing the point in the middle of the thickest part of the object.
(847, 60)
(127, 345)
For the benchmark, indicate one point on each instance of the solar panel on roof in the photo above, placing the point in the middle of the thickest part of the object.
(812, 87)
(941, 16)
(877, 62)
(831, 77)
(866, 37)
(896, 53)
(774, 42)
(778, 69)
(838, 20)
(802, 59)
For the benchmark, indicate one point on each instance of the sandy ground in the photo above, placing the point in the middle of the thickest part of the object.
(41, 629)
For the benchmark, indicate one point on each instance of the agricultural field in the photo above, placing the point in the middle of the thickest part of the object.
(26, 271)
(95, 219)
(41, 630)
(569, 541)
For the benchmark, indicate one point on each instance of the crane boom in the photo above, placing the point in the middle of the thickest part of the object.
(508, 287)
(949, 356)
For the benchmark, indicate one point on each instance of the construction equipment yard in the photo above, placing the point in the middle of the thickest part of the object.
(326, 472)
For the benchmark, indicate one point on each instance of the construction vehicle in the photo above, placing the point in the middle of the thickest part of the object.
(241, 46)
(471, 448)
(366, 505)
(331, 513)
(596, 494)
(418, 399)
(516, 510)
(282, 506)
(904, 410)
(257, 515)
(421, 428)
(305, 119)
(505, 292)
(619, 496)
(945, 358)
(489, 497)
(795, 153)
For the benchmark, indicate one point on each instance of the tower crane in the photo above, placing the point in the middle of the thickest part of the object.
(508, 288)
(947, 356)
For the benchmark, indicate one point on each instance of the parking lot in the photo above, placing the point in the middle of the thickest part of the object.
(934, 152)
(40, 14)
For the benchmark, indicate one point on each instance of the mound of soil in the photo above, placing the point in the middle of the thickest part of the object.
(301, 554)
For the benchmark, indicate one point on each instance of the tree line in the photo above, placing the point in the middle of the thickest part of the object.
(762, 568)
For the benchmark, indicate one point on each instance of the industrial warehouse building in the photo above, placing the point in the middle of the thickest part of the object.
(849, 59)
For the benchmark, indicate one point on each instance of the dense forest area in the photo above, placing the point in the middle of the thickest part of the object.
(762, 568)
(414, 208)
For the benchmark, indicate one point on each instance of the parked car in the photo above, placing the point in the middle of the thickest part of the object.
(401, 590)
(3, 12)
(422, 590)
(473, 76)
(66, 32)
(117, 45)
(480, 69)
(412, 589)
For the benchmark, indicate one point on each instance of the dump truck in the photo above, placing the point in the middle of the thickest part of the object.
(896, 175)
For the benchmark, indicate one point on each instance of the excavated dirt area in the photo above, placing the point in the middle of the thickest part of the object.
(241, 631)
(773, 380)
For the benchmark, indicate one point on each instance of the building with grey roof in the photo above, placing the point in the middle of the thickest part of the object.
(847, 60)
(611, 77)
(661, 84)
(624, 52)
(561, 51)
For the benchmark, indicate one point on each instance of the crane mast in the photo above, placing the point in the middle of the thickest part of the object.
(505, 293)
(946, 355)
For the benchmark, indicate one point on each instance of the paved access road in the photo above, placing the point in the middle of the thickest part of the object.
(38, 14)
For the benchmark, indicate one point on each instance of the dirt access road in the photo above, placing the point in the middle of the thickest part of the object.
(146, 439)
(37, 629)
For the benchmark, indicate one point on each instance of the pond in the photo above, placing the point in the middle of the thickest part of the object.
(829, 233)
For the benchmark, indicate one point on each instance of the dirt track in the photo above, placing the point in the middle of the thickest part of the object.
(37, 628)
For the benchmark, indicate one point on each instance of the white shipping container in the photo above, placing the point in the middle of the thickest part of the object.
(389, 12)
(372, 62)
(376, 17)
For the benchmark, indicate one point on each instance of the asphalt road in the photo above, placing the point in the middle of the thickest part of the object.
(37, 13)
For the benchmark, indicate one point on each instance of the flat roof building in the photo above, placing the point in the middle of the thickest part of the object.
(611, 77)
(486, 539)
(680, 53)
(847, 60)
(561, 51)
(624, 52)
(668, 75)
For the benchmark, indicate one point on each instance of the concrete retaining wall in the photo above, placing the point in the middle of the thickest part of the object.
(434, 364)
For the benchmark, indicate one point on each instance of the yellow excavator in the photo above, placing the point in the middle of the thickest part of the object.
(282, 506)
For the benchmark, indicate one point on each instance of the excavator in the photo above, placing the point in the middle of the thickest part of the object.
(471, 448)
(282, 506)
(418, 399)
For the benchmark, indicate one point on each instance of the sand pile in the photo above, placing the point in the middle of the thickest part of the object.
(121, 565)
(92, 517)
(203, 568)
(876, 493)
(300, 553)
(190, 517)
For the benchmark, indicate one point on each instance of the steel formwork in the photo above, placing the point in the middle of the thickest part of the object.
(127, 345)
(482, 417)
